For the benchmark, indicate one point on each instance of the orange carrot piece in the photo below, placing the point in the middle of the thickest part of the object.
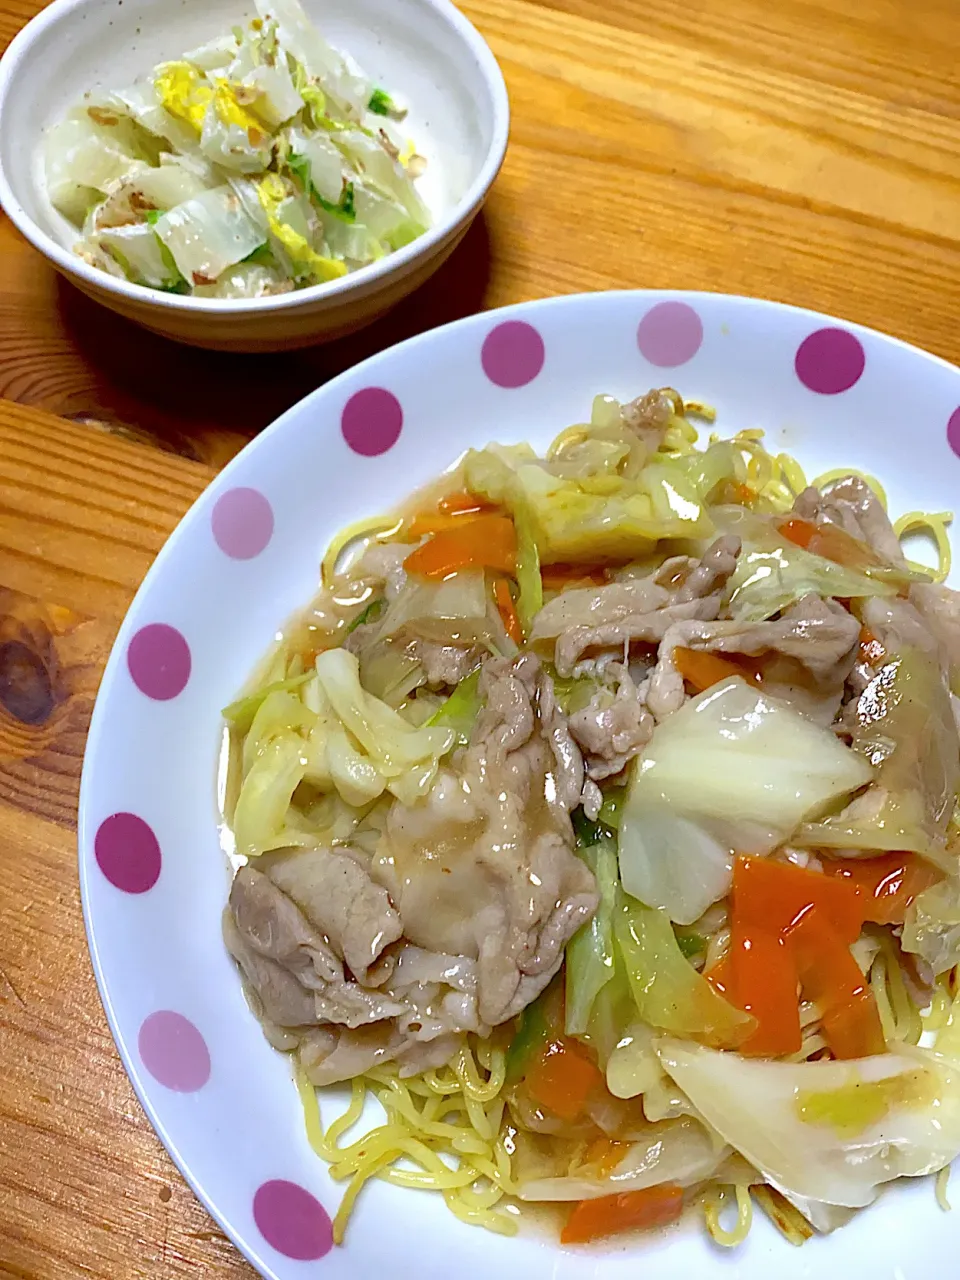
(604, 1154)
(562, 1079)
(763, 981)
(831, 978)
(719, 976)
(484, 541)
(459, 504)
(871, 652)
(773, 896)
(632, 1210)
(829, 541)
(702, 670)
(886, 885)
(429, 522)
(507, 610)
(732, 491)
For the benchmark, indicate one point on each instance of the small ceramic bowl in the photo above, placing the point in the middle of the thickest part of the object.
(425, 50)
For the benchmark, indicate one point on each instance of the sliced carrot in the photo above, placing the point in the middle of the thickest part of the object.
(484, 541)
(719, 976)
(763, 981)
(829, 541)
(458, 504)
(632, 1210)
(831, 978)
(732, 491)
(604, 1154)
(773, 896)
(508, 610)
(703, 670)
(886, 885)
(562, 1079)
(799, 532)
(871, 651)
(429, 522)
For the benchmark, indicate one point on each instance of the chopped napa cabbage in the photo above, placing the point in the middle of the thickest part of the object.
(405, 756)
(270, 102)
(826, 1131)
(183, 92)
(275, 199)
(140, 254)
(733, 771)
(232, 137)
(907, 731)
(342, 208)
(213, 55)
(167, 185)
(589, 958)
(669, 993)
(141, 102)
(277, 99)
(245, 280)
(298, 36)
(590, 518)
(209, 233)
(381, 172)
(82, 157)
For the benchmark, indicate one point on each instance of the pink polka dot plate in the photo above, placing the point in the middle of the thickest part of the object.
(246, 556)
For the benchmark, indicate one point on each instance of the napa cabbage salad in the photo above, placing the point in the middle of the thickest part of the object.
(598, 820)
(262, 162)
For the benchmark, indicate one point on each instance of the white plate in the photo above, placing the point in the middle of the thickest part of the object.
(154, 882)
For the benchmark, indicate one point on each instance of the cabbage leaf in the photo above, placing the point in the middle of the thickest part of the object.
(826, 1131)
(669, 992)
(906, 730)
(733, 771)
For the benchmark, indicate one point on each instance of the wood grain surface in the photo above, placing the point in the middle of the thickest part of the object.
(803, 150)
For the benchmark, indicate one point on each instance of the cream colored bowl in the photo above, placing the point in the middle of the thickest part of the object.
(424, 50)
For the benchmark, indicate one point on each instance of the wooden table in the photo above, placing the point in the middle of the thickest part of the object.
(806, 150)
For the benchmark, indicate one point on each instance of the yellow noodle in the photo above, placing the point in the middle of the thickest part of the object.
(377, 527)
(899, 1017)
(713, 1199)
(567, 439)
(935, 524)
(934, 1019)
(441, 1133)
(342, 1215)
(700, 410)
(792, 473)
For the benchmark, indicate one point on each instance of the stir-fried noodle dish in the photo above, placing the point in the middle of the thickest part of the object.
(596, 825)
